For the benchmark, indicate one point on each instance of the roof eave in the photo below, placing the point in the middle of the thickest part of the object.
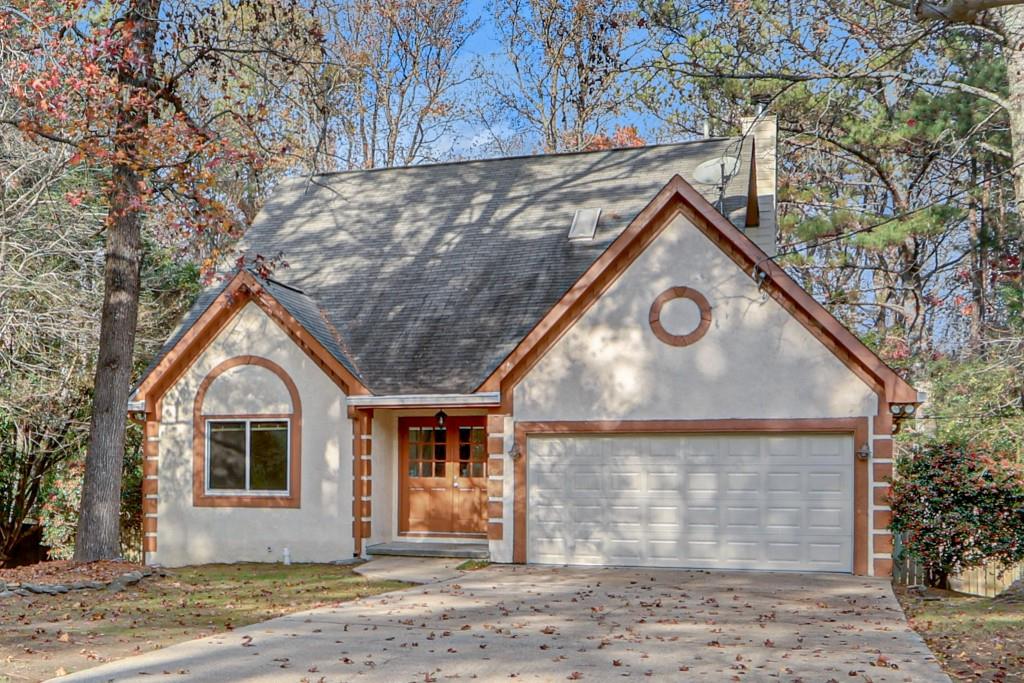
(486, 399)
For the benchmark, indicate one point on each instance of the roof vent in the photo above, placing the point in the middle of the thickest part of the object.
(584, 224)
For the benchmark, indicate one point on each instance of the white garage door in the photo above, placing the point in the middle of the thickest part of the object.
(710, 501)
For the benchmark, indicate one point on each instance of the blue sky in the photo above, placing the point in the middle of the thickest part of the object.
(483, 46)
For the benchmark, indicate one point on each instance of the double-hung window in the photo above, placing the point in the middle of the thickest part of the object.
(248, 456)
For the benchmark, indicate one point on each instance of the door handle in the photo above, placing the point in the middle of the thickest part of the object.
(455, 484)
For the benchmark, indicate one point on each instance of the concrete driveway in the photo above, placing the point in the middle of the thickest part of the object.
(556, 624)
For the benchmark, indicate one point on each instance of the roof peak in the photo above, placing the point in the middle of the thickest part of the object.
(519, 157)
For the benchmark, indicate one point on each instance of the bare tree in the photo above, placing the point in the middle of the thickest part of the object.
(562, 80)
(397, 103)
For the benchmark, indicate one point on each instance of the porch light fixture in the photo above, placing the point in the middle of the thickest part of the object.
(440, 416)
(863, 453)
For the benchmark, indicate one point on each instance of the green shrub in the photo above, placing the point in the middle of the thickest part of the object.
(959, 507)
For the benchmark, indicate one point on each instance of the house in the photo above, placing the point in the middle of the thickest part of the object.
(580, 358)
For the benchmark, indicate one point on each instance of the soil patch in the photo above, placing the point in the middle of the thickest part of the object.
(67, 572)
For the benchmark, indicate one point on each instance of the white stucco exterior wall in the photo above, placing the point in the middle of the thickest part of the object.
(755, 361)
(321, 529)
(384, 525)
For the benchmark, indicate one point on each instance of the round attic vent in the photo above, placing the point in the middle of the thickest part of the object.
(671, 294)
(716, 171)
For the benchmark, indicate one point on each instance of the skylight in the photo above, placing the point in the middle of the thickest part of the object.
(584, 224)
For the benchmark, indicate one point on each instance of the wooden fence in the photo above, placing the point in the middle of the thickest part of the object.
(986, 581)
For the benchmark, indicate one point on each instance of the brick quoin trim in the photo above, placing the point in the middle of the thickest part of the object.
(362, 476)
(881, 475)
(150, 471)
(495, 477)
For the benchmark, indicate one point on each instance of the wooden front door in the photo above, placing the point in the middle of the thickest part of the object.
(443, 488)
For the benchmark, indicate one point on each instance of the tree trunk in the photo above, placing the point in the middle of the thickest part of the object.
(98, 534)
(1012, 19)
(978, 266)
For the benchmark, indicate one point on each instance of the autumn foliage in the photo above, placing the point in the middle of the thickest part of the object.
(624, 136)
(959, 507)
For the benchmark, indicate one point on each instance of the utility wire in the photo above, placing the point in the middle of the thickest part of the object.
(971, 417)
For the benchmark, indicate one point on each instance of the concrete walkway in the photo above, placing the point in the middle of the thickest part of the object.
(556, 624)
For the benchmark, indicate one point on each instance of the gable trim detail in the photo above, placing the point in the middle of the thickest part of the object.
(243, 288)
(679, 198)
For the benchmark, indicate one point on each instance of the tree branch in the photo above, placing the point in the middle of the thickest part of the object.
(957, 11)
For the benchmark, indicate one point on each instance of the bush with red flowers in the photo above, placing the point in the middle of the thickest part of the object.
(958, 507)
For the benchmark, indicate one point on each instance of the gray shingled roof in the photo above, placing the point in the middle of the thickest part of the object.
(428, 276)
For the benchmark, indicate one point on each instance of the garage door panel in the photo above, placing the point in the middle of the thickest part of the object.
(743, 482)
(695, 452)
(544, 514)
(663, 481)
(585, 513)
(824, 552)
(776, 551)
(707, 501)
(819, 482)
(663, 514)
(824, 519)
(698, 481)
(784, 483)
(625, 481)
(783, 518)
(737, 448)
(625, 514)
(742, 518)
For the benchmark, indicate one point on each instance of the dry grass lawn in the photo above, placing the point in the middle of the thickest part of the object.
(976, 639)
(44, 636)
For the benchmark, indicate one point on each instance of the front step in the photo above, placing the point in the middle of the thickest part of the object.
(473, 551)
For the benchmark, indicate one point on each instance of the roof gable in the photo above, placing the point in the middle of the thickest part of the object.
(676, 198)
(292, 310)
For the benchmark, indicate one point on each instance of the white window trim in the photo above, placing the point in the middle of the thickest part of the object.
(248, 439)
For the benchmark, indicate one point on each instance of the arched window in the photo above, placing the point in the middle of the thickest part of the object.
(247, 423)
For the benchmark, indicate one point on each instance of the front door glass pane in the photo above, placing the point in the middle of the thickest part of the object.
(426, 451)
(472, 452)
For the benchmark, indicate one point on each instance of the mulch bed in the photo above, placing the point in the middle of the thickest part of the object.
(66, 572)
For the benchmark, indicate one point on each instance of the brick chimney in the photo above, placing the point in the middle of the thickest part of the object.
(763, 131)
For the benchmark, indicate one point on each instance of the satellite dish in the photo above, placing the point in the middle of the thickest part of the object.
(716, 171)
